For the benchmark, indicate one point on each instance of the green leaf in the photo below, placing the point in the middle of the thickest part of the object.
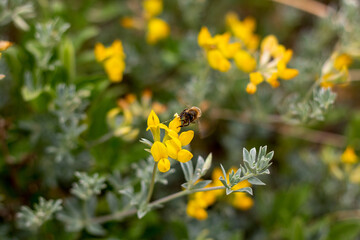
(255, 181)
(201, 184)
(246, 189)
(188, 169)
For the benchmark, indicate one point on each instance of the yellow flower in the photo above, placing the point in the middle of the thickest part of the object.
(256, 78)
(176, 152)
(241, 201)
(114, 68)
(204, 38)
(269, 44)
(153, 123)
(152, 8)
(113, 58)
(341, 61)
(272, 80)
(244, 61)
(5, 45)
(286, 73)
(160, 155)
(349, 156)
(218, 61)
(196, 211)
(158, 30)
(100, 52)
(128, 22)
(251, 88)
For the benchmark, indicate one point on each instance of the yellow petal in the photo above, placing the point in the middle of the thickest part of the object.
(158, 151)
(100, 52)
(343, 60)
(218, 61)
(164, 165)
(152, 7)
(153, 120)
(272, 80)
(204, 37)
(5, 45)
(186, 137)
(244, 61)
(175, 124)
(114, 68)
(288, 73)
(157, 30)
(117, 50)
(184, 155)
(173, 147)
(256, 78)
(251, 88)
(349, 156)
(269, 43)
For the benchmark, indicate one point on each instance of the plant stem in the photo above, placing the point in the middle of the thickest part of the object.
(125, 213)
(310, 6)
(151, 187)
(100, 140)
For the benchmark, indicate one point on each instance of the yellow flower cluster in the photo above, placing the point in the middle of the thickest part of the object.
(269, 63)
(200, 201)
(349, 156)
(172, 143)
(113, 58)
(335, 69)
(3, 46)
(157, 28)
(121, 118)
(345, 166)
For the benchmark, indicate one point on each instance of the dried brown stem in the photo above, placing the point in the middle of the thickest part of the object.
(310, 6)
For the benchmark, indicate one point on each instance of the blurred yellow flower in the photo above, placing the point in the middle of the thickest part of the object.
(5, 45)
(157, 30)
(113, 58)
(114, 68)
(244, 61)
(343, 60)
(241, 201)
(349, 156)
(152, 8)
(335, 69)
(196, 211)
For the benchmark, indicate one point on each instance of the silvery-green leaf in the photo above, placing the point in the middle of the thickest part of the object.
(223, 171)
(199, 164)
(142, 211)
(270, 155)
(206, 165)
(247, 189)
(246, 155)
(252, 156)
(95, 229)
(185, 185)
(188, 169)
(228, 191)
(223, 182)
(145, 141)
(267, 171)
(201, 184)
(255, 181)
(112, 201)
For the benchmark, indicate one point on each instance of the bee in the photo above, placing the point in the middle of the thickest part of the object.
(189, 115)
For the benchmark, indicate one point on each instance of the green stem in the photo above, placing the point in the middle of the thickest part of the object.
(129, 212)
(100, 140)
(152, 184)
(308, 93)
